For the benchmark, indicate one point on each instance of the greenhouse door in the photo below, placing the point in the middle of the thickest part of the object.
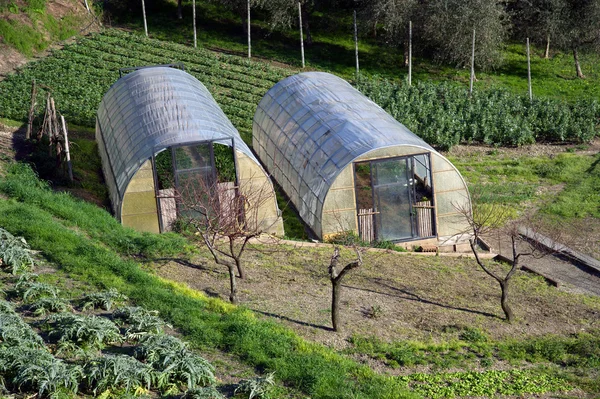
(392, 184)
(394, 199)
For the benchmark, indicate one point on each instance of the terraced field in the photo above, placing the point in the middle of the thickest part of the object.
(79, 74)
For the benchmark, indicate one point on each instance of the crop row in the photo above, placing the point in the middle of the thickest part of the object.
(444, 114)
(156, 361)
(259, 70)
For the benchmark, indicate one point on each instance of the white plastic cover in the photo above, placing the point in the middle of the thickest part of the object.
(149, 110)
(310, 126)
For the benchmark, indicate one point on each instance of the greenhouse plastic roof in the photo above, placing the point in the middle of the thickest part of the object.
(149, 110)
(310, 126)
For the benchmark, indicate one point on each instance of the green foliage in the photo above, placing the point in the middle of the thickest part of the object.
(203, 393)
(49, 304)
(117, 372)
(175, 363)
(32, 290)
(484, 384)
(444, 115)
(22, 37)
(87, 332)
(154, 348)
(139, 321)
(14, 332)
(22, 183)
(258, 387)
(38, 371)
(103, 299)
(15, 253)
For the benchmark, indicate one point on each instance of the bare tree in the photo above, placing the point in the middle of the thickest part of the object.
(491, 219)
(336, 276)
(226, 217)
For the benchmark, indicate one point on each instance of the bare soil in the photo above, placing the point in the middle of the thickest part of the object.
(534, 150)
(394, 296)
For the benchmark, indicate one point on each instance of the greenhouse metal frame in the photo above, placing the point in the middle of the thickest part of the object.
(347, 165)
(152, 109)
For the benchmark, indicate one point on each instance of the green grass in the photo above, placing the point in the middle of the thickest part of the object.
(85, 251)
(41, 29)
(517, 181)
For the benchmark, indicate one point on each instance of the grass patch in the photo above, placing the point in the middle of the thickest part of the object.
(519, 180)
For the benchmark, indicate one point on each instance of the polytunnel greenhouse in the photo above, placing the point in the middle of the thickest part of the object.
(159, 133)
(347, 165)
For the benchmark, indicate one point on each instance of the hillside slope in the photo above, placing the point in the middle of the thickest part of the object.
(28, 27)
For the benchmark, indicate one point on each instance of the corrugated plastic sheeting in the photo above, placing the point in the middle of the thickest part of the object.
(154, 108)
(310, 126)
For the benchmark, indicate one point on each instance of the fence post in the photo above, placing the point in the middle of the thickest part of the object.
(409, 53)
(31, 110)
(67, 153)
(472, 65)
(194, 19)
(301, 33)
(356, 45)
(144, 14)
(249, 36)
(529, 72)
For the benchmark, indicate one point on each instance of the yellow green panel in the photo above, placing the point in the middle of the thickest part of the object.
(138, 203)
(144, 222)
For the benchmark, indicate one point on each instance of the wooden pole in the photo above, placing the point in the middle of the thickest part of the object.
(67, 153)
(409, 53)
(249, 35)
(31, 110)
(529, 72)
(194, 19)
(144, 14)
(472, 65)
(356, 45)
(301, 33)
(50, 124)
(87, 7)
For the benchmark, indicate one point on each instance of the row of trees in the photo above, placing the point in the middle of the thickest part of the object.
(442, 29)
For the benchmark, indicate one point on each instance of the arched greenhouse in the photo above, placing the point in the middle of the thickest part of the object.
(158, 131)
(347, 165)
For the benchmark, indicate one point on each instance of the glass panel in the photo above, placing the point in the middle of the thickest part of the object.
(392, 189)
(193, 156)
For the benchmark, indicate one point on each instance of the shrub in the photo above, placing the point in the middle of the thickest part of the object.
(49, 304)
(87, 332)
(258, 387)
(104, 299)
(15, 253)
(203, 393)
(140, 321)
(117, 372)
(14, 332)
(31, 291)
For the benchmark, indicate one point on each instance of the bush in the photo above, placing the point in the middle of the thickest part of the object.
(444, 115)
(104, 299)
(117, 372)
(88, 332)
(15, 253)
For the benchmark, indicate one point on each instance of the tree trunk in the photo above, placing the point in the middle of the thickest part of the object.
(335, 305)
(179, 9)
(233, 284)
(547, 52)
(240, 269)
(504, 301)
(580, 74)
